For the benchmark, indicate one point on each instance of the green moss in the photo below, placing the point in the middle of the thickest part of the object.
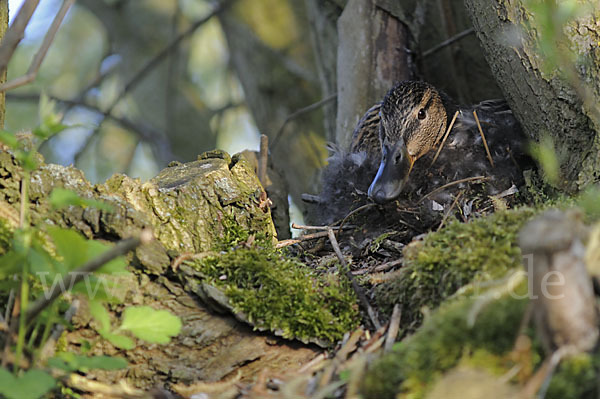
(283, 295)
(459, 254)
(576, 378)
(439, 345)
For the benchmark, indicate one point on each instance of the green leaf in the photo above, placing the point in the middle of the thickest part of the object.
(117, 265)
(69, 361)
(97, 288)
(101, 362)
(11, 263)
(32, 385)
(156, 326)
(61, 197)
(99, 312)
(9, 139)
(27, 159)
(77, 250)
(118, 340)
(70, 245)
(50, 120)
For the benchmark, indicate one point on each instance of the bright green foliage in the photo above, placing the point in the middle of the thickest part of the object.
(459, 254)
(545, 154)
(282, 294)
(155, 326)
(445, 340)
(577, 377)
(69, 362)
(31, 385)
(43, 258)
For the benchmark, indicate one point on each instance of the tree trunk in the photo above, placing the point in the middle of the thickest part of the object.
(542, 101)
(372, 56)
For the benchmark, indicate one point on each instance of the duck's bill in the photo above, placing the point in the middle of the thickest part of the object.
(392, 175)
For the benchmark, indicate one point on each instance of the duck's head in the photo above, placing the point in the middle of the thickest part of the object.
(413, 119)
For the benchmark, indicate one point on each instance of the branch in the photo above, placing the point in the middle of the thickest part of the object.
(153, 62)
(41, 54)
(145, 132)
(121, 248)
(357, 289)
(16, 32)
(448, 42)
(298, 113)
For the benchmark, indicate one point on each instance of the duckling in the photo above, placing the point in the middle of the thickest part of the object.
(394, 152)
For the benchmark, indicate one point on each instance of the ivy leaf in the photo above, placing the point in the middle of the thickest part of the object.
(155, 326)
(32, 385)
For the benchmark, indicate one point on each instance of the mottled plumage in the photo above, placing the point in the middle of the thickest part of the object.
(402, 135)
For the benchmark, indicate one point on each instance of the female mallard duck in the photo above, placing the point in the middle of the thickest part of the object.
(405, 136)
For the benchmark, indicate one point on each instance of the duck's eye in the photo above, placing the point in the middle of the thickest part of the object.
(421, 114)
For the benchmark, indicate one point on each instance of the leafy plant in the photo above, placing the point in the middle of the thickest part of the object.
(49, 261)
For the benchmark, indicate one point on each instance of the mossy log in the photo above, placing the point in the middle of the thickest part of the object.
(537, 92)
(190, 208)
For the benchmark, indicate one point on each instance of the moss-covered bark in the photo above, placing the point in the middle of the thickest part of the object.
(213, 205)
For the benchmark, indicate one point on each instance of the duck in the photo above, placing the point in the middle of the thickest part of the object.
(416, 142)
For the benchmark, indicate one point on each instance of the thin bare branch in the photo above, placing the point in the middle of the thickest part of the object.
(16, 32)
(121, 248)
(41, 54)
(487, 150)
(357, 289)
(263, 157)
(393, 329)
(298, 113)
(145, 132)
(445, 137)
(448, 42)
(156, 60)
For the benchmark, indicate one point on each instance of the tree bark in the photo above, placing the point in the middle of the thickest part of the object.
(187, 206)
(542, 101)
(371, 57)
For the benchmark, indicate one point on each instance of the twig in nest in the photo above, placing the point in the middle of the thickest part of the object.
(388, 265)
(393, 329)
(453, 183)
(487, 149)
(444, 140)
(341, 356)
(359, 292)
(447, 213)
(355, 211)
(324, 228)
(285, 243)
